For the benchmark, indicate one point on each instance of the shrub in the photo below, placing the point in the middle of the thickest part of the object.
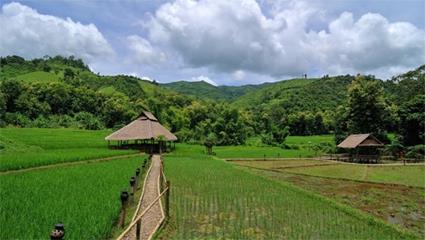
(17, 119)
(88, 121)
(417, 151)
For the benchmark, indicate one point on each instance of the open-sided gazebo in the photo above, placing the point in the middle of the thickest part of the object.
(362, 147)
(144, 133)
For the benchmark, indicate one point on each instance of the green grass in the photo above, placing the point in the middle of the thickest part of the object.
(32, 147)
(259, 152)
(406, 175)
(39, 76)
(309, 140)
(246, 151)
(279, 164)
(212, 199)
(84, 197)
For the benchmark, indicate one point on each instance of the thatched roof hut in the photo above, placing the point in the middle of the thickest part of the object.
(145, 127)
(360, 140)
(362, 147)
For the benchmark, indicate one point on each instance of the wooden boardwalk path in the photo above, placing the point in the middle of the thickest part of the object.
(155, 215)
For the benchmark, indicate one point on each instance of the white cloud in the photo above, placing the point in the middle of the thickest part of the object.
(27, 33)
(205, 79)
(143, 52)
(229, 36)
(238, 75)
(147, 78)
(369, 44)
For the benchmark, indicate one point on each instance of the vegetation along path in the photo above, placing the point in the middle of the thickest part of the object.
(155, 215)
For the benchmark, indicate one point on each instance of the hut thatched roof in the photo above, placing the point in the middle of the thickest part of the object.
(146, 126)
(360, 140)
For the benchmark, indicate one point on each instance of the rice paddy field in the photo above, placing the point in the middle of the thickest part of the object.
(32, 147)
(406, 175)
(213, 199)
(84, 197)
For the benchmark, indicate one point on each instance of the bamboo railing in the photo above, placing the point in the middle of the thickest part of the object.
(164, 187)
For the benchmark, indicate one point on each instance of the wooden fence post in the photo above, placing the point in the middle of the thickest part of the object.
(133, 188)
(167, 200)
(124, 199)
(138, 228)
(137, 177)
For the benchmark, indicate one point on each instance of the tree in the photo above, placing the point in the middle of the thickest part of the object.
(209, 142)
(11, 90)
(367, 111)
(276, 137)
(2, 109)
(395, 148)
(68, 74)
(88, 121)
(412, 121)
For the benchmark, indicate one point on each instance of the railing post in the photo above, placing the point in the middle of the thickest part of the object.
(138, 228)
(133, 186)
(137, 177)
(167, 200)
(124, 199)
(161, 180)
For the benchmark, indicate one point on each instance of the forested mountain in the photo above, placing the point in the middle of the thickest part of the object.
(64, 92)
(204, 90)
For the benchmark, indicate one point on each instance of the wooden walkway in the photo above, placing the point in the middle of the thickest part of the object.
(155, 215)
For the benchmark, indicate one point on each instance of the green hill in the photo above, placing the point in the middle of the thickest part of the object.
(64, 92)
(204, 90)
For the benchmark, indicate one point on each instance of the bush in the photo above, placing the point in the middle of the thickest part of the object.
(16, 119)
(417, 152)
(41, 122)
(62, 121)
(324, 147)
(88, 121)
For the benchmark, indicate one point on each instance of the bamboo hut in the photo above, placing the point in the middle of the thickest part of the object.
(144, 133)
(362, 148)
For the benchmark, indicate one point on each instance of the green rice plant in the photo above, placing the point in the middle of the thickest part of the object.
(84, 197)
(13, 161)
(48, 138)
(412, 175)
(212, 199)
(246, 151)
(32, 147)
(280, 163)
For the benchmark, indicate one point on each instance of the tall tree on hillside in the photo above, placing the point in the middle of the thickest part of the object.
(367, 110)
(412, 121)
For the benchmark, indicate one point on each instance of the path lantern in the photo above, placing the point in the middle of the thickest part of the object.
(133, 186)
(124, 197)
(137, 177)
(58, 233)
(132, 181)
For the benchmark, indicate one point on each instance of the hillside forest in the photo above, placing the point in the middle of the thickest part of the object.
(54, 92)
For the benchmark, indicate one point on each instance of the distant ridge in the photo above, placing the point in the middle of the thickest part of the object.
(202, 89)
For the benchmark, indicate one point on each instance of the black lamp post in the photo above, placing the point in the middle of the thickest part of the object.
(58, 232)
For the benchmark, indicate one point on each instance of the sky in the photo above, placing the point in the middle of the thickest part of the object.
(223, 42)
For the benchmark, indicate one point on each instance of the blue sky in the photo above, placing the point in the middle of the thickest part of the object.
(219, 41)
